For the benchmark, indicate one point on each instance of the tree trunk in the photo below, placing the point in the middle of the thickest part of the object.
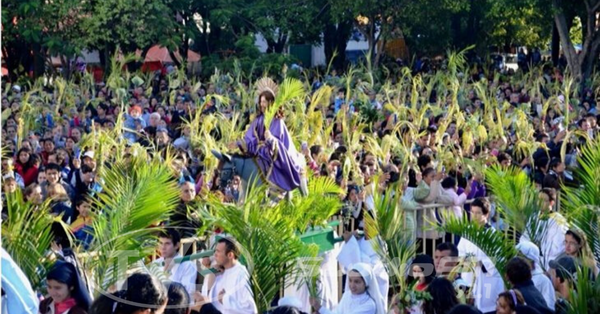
(580, 65)
(555, 45)
(174, 58)
(335, 39)
(456, 31)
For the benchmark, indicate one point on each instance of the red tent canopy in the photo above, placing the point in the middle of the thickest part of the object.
(161, 54)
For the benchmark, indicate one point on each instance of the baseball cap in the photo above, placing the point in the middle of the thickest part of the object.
(565, 266)
(290, 301)
(89, 154)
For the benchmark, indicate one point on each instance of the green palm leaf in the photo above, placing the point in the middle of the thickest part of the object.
(583, 298)
(136, 195)
(27, 234)
(493, 243)
(388, 225)
(290, 90)
(588, 174)
(517, 200)
(269, 242)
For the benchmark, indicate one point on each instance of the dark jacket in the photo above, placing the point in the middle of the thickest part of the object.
(62, 208)
(207, 309)
(552, 180)
(533, 297)
(46, 307)
(185, 223)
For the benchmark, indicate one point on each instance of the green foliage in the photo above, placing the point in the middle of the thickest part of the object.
(517, 200)
(269, 242)
(130, 25)
(588, 174)
(388, 225)
(583, 298)
(321, 203)
(251, 65)
(491, 242)
(27, 234)
(576, 32)
(137, 194)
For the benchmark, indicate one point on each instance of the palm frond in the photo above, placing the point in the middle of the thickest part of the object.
(290, 90)
(588, 174)
(517, 199)
(493, 243)
(136, 195)
(268, 240)
(583, 297)
(27, 234)
(391, 237)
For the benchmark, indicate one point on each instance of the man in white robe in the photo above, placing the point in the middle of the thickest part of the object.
(184, 273)
(361, 251)
(488, 281)
(231, 292)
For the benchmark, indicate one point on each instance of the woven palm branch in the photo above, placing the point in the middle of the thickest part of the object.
(266, 84)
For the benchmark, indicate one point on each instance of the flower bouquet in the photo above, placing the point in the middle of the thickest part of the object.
(408, 299)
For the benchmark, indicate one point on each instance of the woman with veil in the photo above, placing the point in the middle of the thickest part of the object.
(362, 295)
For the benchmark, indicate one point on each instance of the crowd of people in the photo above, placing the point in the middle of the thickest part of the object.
(49, 165)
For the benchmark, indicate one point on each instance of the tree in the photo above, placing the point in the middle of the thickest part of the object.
(580, 64)
(35, 30)
(336, 34)
(286, 22)
(375, 19)
(130, 25)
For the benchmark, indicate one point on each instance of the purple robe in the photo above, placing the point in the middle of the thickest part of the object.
(278, 157)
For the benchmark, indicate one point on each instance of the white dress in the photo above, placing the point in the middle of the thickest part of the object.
(357, 304)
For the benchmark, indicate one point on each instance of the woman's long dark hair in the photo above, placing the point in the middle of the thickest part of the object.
(270, 99)
(425, 262)
(140, 292)
(30, 162)
(66, 273)
(443, 297)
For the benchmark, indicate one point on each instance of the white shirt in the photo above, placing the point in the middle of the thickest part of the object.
(553, 238)
(356, 304)
(184, 273)
(238, 297)
(487, 285)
